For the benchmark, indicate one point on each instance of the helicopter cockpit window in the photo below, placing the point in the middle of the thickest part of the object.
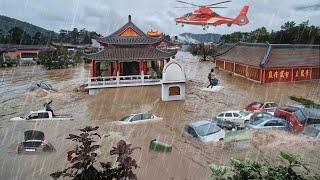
(187, 15)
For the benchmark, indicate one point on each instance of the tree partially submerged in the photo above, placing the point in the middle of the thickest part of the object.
(203, 51)
(83, 159)
(250, 169)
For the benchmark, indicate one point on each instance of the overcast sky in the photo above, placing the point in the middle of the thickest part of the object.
(105, 16)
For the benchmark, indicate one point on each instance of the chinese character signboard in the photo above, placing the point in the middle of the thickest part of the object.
(285, 75)
(278, 75)
(300, 74)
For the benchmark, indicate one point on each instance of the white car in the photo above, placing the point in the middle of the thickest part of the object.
(42, 115)
(237, 117)
(205, 131)
(135, 118)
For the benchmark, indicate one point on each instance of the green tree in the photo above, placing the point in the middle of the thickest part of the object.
(38, 39)
(18, 36)
(259, 35)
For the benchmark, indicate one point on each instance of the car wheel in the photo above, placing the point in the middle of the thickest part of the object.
(221, 139)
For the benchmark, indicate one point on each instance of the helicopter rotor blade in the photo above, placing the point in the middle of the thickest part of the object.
(222, 2)
(188, 3)
(216, 7)
(182, 7)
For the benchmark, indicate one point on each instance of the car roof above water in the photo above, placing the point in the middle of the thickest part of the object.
(197, 123)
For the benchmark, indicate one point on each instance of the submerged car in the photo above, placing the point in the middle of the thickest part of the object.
(134, 118)
(34, 142)
(264, 124)
(234, 117)
(261, 116)
(268, 107)
(312, 130)
(205, 131)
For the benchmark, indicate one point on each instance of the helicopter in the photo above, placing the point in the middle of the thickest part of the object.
(205, 16)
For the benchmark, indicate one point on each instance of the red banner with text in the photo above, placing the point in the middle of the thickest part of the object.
(300, 74)
(278, 75)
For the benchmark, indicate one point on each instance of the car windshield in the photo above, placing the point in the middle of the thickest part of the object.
(126, 118)
(207, 129)
(243, 113)
(300, 116)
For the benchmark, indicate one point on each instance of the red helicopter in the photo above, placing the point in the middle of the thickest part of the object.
(206, 17)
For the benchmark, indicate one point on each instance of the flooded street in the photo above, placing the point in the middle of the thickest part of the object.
(189, 159)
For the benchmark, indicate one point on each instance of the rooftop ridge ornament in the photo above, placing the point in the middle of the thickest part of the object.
(129, 18)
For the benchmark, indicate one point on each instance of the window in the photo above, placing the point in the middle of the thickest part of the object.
(191, 131)
(174, 91)
(147, 116)
(271, 123)
(228, 114)
(207, 129)
(137, 117)
(33, 116)
(236, 115)
(281, 123)
(221, 115)
(43, 115)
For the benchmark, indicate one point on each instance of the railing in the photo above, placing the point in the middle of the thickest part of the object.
(119, 81)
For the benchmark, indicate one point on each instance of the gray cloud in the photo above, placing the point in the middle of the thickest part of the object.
(314, 7)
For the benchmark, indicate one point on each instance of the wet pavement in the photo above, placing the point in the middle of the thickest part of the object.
(189, 159)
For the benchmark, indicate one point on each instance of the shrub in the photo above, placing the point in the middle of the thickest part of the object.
(83, 158)
(250, 169)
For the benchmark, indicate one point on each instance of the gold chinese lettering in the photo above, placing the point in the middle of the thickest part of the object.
(307, 73)
(302, 72)
(297, 73)
(270, 76)
(276, 74)
(282, 74)
(287, 74)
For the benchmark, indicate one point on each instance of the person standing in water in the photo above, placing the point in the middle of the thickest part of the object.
(211, 77)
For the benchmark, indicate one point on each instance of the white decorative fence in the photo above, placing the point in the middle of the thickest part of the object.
(121, 81)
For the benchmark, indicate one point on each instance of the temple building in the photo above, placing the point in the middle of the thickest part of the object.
(268, 63)
(130, 58)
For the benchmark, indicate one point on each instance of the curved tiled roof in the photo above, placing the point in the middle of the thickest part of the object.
(273, 55)
(293, 56)
(244, 53)
(116, 39)
(129, 54)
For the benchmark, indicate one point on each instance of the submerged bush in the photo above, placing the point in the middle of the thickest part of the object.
(250, 169)
(83, 158)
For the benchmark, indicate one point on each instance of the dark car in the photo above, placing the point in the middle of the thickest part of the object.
(312, 130)
(260, 115)
(34, 142)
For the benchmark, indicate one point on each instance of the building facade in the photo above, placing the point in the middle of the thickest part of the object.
(129, 56)
(267, 63)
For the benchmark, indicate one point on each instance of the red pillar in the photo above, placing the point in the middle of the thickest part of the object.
(140, 66)
(93, 67)
(118, 68)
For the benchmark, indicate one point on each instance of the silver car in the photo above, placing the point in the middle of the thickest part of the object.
(264, 124)
(205, 131)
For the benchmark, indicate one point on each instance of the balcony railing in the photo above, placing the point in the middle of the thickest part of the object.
(121, 81)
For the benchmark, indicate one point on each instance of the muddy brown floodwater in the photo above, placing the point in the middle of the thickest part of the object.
(189, 159)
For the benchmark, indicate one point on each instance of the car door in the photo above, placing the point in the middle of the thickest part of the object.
(270, 124)
(137, 117)
(228, 117)
(147, 116)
